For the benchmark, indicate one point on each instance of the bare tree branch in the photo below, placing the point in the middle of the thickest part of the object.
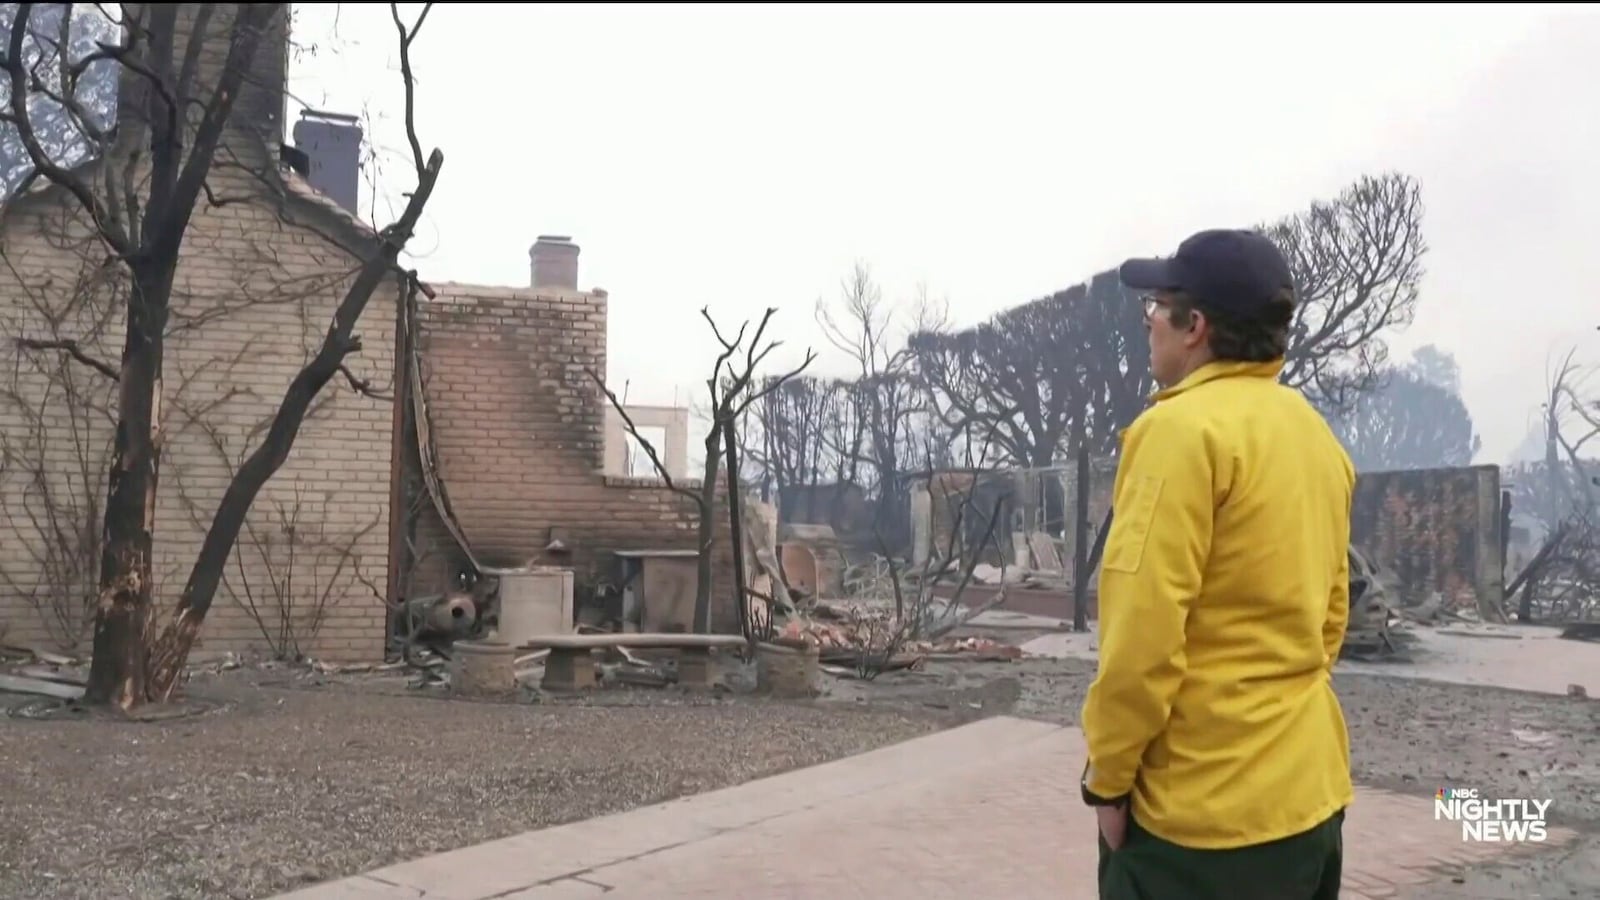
(13, 63)
(730, 390)
(361, 385)
(649, 449)
(71, 348)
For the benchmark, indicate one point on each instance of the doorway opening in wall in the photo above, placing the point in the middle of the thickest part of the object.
(638, 463)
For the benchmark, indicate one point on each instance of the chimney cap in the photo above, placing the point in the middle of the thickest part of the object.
(329, 115)
(554, 239)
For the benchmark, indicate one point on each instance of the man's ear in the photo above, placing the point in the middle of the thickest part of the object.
(1196, 333)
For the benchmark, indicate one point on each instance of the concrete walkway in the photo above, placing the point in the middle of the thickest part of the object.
(990, 809)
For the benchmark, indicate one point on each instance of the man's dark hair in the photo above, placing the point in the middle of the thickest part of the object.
(1262, 337)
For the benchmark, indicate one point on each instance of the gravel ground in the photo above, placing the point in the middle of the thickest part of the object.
(1569, 873)
(282, 787)
(1407, 736)
(296, 779)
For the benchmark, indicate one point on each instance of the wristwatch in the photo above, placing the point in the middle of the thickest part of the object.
(1090, 798)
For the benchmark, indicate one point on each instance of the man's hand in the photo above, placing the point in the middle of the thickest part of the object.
(1113, 824)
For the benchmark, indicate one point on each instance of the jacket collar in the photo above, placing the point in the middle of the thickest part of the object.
(1212, 371)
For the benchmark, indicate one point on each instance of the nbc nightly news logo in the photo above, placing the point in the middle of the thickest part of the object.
(1505, 820)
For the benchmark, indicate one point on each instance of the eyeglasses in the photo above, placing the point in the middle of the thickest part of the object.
(1153, 303)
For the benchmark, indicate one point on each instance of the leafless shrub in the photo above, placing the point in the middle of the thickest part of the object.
(305, 567)
(54, 457)
(923, 615)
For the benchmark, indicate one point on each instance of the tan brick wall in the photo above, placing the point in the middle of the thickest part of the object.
(253, 297)
(518, 427)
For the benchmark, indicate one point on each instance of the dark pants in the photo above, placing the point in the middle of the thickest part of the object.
(1305, 866)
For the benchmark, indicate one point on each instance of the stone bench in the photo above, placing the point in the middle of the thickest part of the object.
(570, 665)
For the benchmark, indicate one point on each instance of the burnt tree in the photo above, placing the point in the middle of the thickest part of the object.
(894, 430)
(1555, 489)
(1357, 262)
(733, 389)
(789, 437)
(1411, 419)
(863, 429)
(1039, 379)
(184, 73)
(1560, 488)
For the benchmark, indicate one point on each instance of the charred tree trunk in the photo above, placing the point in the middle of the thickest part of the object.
(1047, 449)
(117, 671)
(1080, 545)
(1525, 606)
(736, 521)
(705, 532)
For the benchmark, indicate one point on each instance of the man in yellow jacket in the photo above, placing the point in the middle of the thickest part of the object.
(1219, 763)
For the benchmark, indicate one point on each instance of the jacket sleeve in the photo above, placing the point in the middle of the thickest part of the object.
(1338, 620)
(1164, 500)
(1337, 624)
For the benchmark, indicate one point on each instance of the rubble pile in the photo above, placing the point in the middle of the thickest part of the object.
(33, 670)
(1021, 577)
(41, 673)
(870, 636)
(833, 637)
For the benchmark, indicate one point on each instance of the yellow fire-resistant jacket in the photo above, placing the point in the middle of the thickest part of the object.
(1224, 597)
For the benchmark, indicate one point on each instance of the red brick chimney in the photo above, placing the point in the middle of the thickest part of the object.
(555, 262)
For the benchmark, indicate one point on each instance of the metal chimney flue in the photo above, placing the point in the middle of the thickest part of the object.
(332, 143)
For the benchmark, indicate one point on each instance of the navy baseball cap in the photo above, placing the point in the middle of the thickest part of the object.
(1231, 270)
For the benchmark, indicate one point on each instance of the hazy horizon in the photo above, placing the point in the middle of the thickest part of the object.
(741, 157)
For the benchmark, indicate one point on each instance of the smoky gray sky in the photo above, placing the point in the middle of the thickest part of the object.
(740, 157)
